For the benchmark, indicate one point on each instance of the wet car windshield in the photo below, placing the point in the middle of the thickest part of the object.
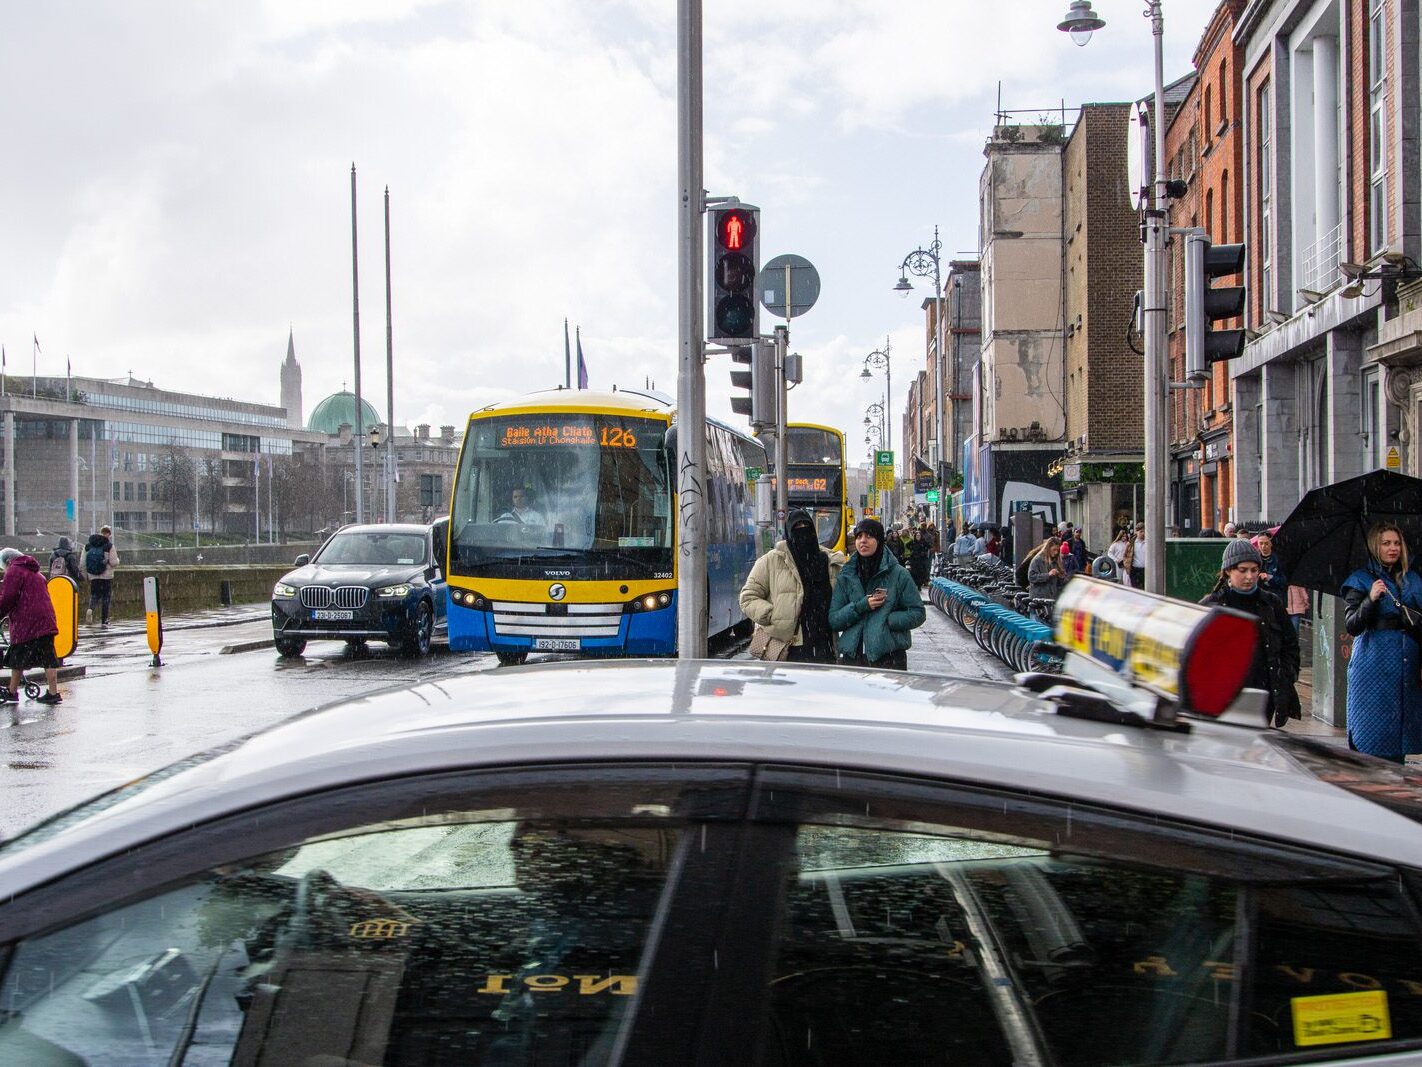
(373, 548)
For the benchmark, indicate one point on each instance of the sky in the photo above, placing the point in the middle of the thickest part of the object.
(176, 195)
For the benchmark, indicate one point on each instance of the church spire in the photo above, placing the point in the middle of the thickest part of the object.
(291, 382)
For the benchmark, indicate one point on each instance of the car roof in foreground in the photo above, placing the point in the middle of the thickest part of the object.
(964, 730)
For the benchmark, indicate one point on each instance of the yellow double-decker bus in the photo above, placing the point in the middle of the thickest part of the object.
(815, 480)
(563, 532)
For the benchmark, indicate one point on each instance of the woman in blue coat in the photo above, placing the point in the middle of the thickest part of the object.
(875, 604)
(1383, 612)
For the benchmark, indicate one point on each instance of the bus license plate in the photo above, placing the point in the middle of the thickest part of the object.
(332, 615)
(556, 644)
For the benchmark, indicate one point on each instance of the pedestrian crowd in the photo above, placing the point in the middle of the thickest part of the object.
(26, 606)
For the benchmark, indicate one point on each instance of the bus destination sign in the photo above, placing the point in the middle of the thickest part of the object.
(542, 433)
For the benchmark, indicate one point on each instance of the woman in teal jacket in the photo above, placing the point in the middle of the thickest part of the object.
(875, 604)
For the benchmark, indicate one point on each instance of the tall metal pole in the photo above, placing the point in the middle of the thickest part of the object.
(76, 518)
(782, 400)
(947, 408)
(888, 417)
(389, 379)
(1156, 365)
(691, 604)
(355, 313)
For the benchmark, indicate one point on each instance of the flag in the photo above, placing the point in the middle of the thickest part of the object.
(582, 365)
(567, 359)
(37, 344)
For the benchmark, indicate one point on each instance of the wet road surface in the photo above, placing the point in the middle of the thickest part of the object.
(124, 718)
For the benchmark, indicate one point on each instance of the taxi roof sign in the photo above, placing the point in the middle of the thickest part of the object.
(1193, 656)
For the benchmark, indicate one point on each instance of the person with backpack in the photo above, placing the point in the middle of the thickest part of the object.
(64, 560)
(100, 560)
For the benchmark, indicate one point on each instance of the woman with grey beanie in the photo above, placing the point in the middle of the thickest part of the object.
(1276, 657)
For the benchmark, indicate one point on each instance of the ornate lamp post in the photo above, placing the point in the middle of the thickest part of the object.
(922, 263)
(879, 360)
(874, 422)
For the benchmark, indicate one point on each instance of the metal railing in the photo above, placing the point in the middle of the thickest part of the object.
(1320, 262)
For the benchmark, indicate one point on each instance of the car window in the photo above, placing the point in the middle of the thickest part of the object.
(912, 942)
(374, 549)
(502, 935)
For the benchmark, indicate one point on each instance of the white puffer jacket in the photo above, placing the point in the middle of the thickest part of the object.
(773, 594)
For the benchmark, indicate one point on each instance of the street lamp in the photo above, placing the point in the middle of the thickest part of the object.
(1082, 20)
(923, 262)
(874, 420)
(375, 438)
(876, 360)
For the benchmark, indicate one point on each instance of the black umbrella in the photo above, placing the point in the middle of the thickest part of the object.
(1325, 538)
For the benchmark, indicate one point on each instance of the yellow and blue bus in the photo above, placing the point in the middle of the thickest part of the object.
(563, 532)
(814, 461)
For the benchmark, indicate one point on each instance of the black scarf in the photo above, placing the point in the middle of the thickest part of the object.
(813, 567)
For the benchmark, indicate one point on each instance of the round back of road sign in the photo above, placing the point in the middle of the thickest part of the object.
(789, 286)
(64, 595)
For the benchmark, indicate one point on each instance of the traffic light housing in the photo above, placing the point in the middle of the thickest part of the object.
(1206, 304)
(758, 382)
(733, 259)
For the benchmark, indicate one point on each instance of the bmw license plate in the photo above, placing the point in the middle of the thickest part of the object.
(332, 615)
(556, 644)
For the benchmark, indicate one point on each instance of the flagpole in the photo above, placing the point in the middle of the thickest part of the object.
(389, 379)
(355, 316)
(3, 373)
(34, 365)
(567, 358)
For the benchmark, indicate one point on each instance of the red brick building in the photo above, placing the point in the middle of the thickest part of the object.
(1205, 149)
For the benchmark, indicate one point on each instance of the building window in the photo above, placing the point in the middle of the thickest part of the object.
(128, 461)
(116, 490)
(128, 490)
(1208, 111)
(1377, 129)
(1224, 94)
(1210, 214)
(1266, 202)
(143, 492)
(1224, 206)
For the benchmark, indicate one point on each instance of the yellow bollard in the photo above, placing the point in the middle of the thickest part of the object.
(153, 618)
(64, 595)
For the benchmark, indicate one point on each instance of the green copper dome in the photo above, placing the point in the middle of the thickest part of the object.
(340, 408)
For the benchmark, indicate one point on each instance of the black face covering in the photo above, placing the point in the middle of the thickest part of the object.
(813, 568)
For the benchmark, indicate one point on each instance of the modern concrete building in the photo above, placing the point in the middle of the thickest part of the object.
(82, 452)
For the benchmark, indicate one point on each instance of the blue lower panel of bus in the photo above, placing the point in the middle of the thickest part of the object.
(646, 633)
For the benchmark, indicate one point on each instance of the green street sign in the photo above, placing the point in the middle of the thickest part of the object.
(883, 459)
(753, 474)
(931, 496)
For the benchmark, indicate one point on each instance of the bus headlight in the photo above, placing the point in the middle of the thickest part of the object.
(469, 599)
(393, 591)
(281, 589)
(650, 602)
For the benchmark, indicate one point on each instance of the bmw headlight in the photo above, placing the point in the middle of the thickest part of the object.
(393, 590)
(281, 589)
